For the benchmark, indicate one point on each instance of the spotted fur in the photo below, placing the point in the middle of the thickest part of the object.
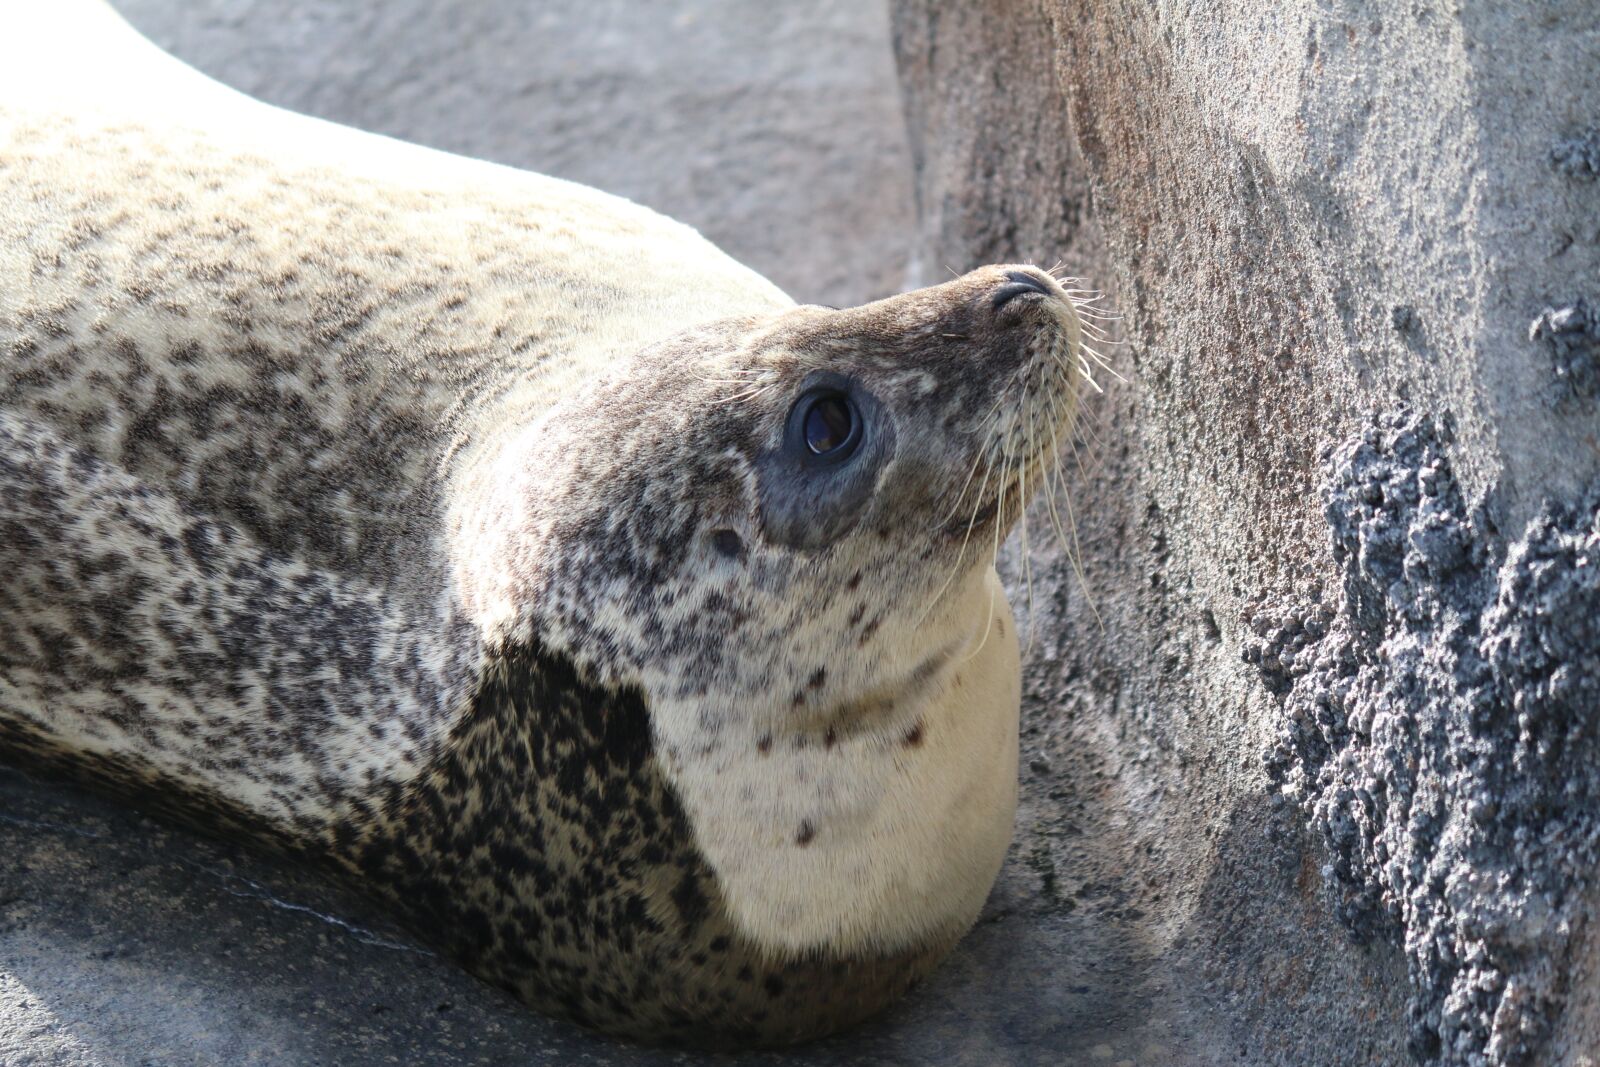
(416, 516)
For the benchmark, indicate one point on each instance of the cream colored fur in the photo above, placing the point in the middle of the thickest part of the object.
(905, 840)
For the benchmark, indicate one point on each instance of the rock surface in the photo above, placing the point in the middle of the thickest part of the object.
(1336, 645)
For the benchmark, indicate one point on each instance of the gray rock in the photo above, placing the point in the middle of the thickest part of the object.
(1443, 737)
(1572, 334)
(1347, 703)
(1578, 156)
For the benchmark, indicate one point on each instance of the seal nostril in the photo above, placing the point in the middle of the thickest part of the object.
(1018, 283)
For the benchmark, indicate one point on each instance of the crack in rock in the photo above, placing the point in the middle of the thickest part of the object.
(254, 890)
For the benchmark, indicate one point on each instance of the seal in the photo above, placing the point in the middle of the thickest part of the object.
(507, 549)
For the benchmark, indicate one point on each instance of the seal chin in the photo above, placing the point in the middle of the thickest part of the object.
(882, 840)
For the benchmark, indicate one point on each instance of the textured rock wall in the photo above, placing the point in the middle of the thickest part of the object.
(1335, 643)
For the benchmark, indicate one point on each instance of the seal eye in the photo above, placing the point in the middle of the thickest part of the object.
(823, 472)
(830, 426)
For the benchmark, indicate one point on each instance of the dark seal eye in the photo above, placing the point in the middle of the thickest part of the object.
(823, 472)
(830, 425)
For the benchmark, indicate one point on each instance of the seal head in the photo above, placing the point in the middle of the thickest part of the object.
(775, 534)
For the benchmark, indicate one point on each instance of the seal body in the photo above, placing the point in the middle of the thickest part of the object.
(507, 548)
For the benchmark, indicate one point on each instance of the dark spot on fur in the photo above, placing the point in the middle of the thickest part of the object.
(625, 737)
(690, 900)
(728, 543)
(855, 580)
(806, 834)
(818, 677)
(764, 746)
(913, 738)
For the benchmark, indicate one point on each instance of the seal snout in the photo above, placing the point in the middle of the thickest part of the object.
(1019, 283)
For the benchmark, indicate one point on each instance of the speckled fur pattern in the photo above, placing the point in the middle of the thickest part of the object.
(425, 519)
(572, 879)
(129, 617)
(829, 658)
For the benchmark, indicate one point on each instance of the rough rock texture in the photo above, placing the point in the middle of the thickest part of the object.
(1442, 732)
(1344, 708)
(1573, 334)
(1579, 155)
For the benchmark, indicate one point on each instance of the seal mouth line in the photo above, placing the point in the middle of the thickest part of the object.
(891, 702)
(982, 516)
